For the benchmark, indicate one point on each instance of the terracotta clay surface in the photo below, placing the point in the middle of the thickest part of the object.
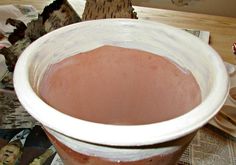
(115, 85)
(71, 157)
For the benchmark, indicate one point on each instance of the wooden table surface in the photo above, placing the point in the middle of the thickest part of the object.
(222, 29)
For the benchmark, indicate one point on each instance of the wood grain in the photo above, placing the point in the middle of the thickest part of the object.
(222, 29)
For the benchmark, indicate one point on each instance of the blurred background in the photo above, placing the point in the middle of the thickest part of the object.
(213, 7)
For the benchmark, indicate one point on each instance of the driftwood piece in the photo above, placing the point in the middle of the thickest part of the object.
(12, 53)
(35, 29)
(18, 33)
(54, 16)
(58, 14)
(100, 9)
(1, 36)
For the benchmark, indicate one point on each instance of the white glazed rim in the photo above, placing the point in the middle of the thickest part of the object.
(116, 135)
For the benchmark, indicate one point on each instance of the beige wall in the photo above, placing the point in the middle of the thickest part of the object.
(214, 7)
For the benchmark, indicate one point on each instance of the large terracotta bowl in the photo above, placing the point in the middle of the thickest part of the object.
(84, 142)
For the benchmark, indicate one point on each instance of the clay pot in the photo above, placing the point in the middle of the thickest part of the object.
(82, 142)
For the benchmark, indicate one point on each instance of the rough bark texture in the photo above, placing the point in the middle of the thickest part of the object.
(100, 9)
(54, 16)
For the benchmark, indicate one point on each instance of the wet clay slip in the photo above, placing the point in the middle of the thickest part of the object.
(115, 85)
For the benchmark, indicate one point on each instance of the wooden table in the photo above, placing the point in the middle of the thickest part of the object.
(222, 29)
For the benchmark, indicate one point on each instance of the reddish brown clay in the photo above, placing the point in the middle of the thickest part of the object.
(70, 157)
(115, 85)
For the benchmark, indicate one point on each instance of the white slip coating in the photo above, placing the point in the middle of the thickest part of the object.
(183, 48)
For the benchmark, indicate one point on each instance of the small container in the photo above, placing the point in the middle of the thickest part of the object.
(223, 118)
(232, 94)
(230, 68)
(83, 142)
